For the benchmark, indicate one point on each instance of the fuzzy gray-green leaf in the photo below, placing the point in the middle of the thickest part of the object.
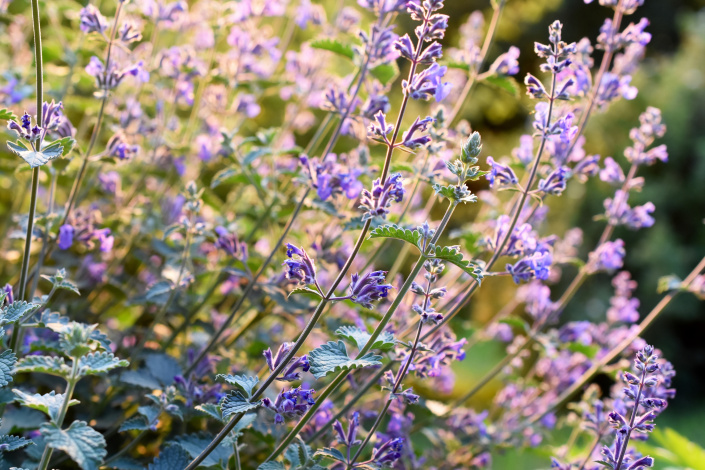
(333, 357)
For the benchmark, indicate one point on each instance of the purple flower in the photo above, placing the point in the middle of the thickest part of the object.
(300, 266)
(507, 63)
(368, 288)
(555, 182)
(419, 125)
(377, 202)
(230, 243)
(607, 257)
(92, 21)
(290, 373)
(388, 453)
(427, 84)
(535, 266)
(612, 173)
(66, 233)
(348, 439)
(500, 174)
(290, 404)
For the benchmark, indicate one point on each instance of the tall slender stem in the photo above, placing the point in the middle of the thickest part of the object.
(71, 385)
(97, 126)
(24, 270)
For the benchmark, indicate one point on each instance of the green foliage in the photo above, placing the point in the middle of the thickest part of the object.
(668, 446)
(36, 158)
(357, 336)
(453, 255)
(99, 363)
(59, 281)
(396, 232)
(333, 357)
(51, 365)
(194, 444)
(305, 290)
(7, 115)
(49, 403)
(17, 311)
(335, 46)
(171, 458)
(455, 194)
(7, 364)
(235, 403)
(244, 383)
(82, 443)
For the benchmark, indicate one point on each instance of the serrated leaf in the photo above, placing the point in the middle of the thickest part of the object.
(43, 364)
(14, 442)
(136, 423)
(453, 255)
(333, 357)
(58, 281)
(331, 453)
(236, 403)
(272, 465)
(171, 458)
(356, 335)
(211, 410)
(7, 115)
(141, 378)
(99, 363)
(456, 65)
(243, 382)
(17, 311)
(66, 144)
(7, 365)
(333, 45)
(508, 84)
(82, 443)
(49, 403)
(394, 231)
(194, 444)
(304, 290)
(33, 157)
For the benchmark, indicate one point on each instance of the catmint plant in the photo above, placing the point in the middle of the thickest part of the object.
(280, 214)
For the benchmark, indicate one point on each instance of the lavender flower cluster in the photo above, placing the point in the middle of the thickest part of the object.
(213, 182)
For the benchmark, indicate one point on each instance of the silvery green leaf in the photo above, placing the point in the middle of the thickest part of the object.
(157, 293)
(394, 231)
(136, 423)
(355, 335)
(150, 412)
(163, 367)
(14, 442)
(331, 453)
(453, 255)
(211, 410)
(333, 45)
(7, 364)
(194, 444)
(272, 465)
(17, 311)
(82, 443)
(33, 157)
(243, 382)
(49, 403)
(305, 290)
(44, 364)
(59, 281)
(99, 363)
(171, 458)
(333, 357)
(235, 403)
(141, 378)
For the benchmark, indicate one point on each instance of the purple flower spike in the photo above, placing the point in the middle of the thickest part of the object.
(300, 266)
(377, 202)
(419, 125)
(66, 233)
(500, 174)
(369, 288)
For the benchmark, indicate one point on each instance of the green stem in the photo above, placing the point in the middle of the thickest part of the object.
(37, 29)
(72, 381)
(348, 406)
(96, 128)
